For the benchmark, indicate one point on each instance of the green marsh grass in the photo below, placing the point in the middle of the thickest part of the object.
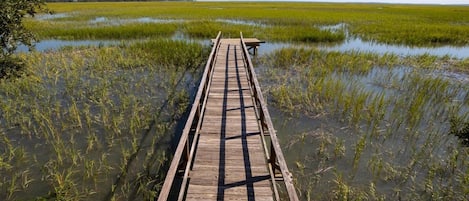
(371, 126)
(419, 25)
(94, 123)
(388, 117)
(74, 31)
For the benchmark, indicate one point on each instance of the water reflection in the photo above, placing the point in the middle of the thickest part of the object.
(241, 22)
(334, 27)
(266, 48)
(51, 16)
(357, 44)
(351, 44)
(51, 45)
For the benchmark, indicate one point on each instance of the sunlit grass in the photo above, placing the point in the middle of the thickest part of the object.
(377, 126)
(358, 125)
(72, 31)
(417, 24)
(94, 123)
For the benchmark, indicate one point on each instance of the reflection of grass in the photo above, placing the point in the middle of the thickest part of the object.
(417, 25)
(94, 123)
(389, 123)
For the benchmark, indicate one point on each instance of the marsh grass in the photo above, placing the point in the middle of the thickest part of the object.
(76, 31)
(419, 25)
(389, 120)
(82, 122)
(94, 123)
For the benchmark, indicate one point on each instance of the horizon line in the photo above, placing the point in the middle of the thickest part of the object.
(345, 1)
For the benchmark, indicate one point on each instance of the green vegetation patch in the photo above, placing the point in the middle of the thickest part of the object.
(94, 123)
(70, 31)
(397, 24)
(362, 126)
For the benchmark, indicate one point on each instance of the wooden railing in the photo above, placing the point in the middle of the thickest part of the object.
(185, 150)
(275, 157)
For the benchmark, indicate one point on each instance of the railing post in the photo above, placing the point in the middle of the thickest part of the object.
(184, 151)
(276, 158)
(273, 156)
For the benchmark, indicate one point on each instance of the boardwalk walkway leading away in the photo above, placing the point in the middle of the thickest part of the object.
(228, 149)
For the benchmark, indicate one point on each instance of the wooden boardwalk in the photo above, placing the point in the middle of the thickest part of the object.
(225, 156)
(230, 162)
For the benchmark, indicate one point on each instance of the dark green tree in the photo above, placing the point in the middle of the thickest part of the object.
(13, 32)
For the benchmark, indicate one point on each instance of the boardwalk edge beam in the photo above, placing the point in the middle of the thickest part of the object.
(276, 157)
(194, 113)
(228, 72)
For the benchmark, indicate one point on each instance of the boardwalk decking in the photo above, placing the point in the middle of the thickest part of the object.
(230, 163)
(222, 151)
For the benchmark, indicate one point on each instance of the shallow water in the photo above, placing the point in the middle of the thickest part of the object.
(334, 27)
(141, 85)
(302, 135)
(391, 146)
(266, 48)
(241, 22)
(51, 16)
(52, 45)
(360, 45)
(350, 44)
(357, 44)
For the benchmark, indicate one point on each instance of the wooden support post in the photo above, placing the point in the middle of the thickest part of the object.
(273, 157)
(186, 153)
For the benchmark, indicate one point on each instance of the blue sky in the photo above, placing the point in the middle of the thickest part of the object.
(401, 1)
(444, 2)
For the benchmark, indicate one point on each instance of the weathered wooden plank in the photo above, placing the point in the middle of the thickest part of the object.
(276, 151)
(236, 40)
(229, 161)
(230, 144)
(230, 104)
(257, 170)
(228, 190)
(207, 179)
(210, 153)
(168, 183)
